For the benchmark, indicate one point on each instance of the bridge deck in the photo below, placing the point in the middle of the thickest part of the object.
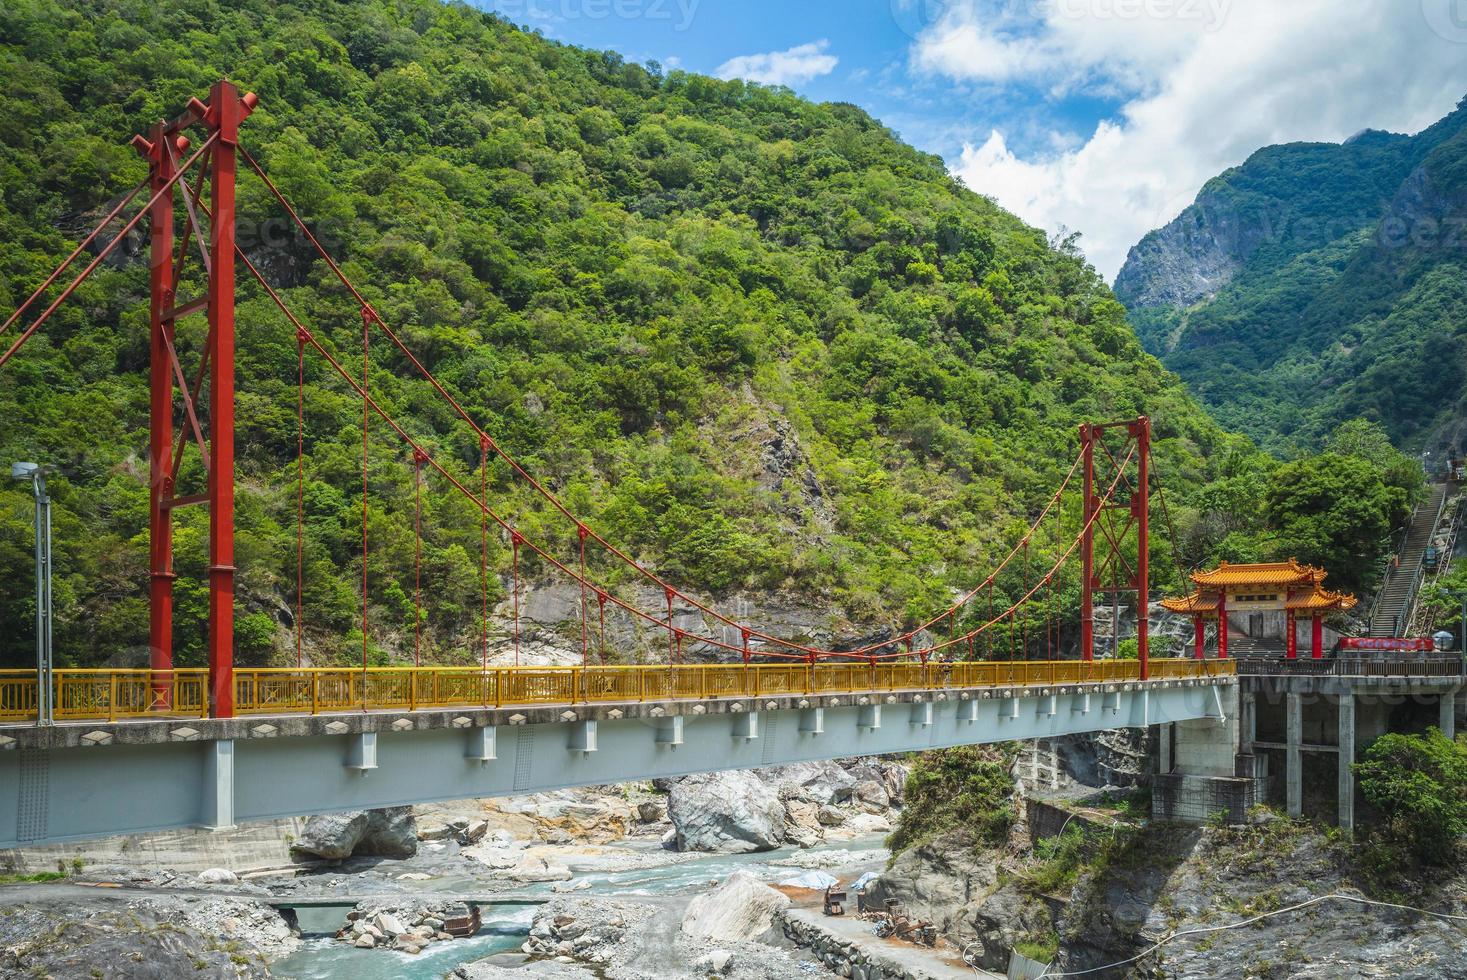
(142, 774)
(111, 695)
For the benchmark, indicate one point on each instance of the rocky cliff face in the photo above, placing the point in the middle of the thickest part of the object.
(1316, 283)
(1192, 257)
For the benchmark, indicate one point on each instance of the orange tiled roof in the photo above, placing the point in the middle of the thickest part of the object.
(1194, 603)
(1263, 573)
(1320, 599)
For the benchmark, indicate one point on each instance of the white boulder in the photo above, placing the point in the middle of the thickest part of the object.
(739, 909)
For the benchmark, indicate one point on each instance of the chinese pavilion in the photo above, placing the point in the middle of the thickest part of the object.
(1286, 586)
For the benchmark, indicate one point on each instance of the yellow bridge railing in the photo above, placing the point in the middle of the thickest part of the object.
(109, 695)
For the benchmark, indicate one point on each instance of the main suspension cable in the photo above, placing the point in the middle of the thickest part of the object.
(105, 251)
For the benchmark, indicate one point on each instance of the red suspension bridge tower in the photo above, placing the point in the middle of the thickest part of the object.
(213, 236)
(1116, 572)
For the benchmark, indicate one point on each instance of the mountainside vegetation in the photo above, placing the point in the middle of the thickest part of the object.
(759, 343)
(1317, 283)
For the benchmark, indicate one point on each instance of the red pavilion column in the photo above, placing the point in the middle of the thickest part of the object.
(1291, 635)
(1201, 628)
(1317, 637)
(1222, 624)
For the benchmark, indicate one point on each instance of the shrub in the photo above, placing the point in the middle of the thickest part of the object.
(1418, 783)
(967, 787)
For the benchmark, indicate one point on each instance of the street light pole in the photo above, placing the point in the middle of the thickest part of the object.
(36, 475)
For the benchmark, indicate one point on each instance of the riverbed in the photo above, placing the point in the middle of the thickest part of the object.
(324, 958)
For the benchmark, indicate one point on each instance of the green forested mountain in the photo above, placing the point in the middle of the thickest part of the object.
(761, 343)
(1317, 283)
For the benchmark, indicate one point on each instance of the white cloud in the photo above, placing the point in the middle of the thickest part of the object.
(1203, 83)
(798, 64)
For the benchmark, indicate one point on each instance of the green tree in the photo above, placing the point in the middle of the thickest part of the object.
(1367, 440)
(1418, 783)
(1333, 511)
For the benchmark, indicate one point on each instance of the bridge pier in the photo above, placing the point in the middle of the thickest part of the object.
(1200, 773)
(1294, 762)
(1247, 721)
(1346, 805)
(218, 803)
(1447, 713)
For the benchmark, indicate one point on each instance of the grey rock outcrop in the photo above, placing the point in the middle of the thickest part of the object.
(152, 939)
(388, 832)
(732, 812)
(820, 783)
(945, 881)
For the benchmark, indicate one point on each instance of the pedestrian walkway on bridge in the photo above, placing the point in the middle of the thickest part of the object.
(110, 695)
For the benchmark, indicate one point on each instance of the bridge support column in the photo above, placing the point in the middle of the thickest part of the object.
(869, 717)
(218, 808)
(1294, 768)
(1164, 738)
(1247, 722)
(226, 111)
(812, 721)
(1346, 808)
(1447, 714)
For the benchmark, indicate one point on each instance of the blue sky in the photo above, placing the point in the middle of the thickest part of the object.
(870, 41)
(1097, 116)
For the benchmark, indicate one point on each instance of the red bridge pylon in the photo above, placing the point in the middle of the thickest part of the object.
(1116, 572)
(213, 237)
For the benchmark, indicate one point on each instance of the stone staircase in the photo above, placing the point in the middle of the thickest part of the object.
(1243, 645)
(1399, 589)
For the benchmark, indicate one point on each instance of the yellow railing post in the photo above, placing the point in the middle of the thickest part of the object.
(112, 696)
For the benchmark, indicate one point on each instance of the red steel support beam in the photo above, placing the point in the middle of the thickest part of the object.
(1087, 546)
(1142, 509)
(161, 288)
(226, 110)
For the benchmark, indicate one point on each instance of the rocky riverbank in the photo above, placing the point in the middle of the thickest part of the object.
(398, 873)
(1084, 884)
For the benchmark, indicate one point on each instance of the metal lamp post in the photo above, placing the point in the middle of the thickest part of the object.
(36, 475)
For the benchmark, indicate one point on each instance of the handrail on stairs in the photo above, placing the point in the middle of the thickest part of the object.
(1408, 607)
